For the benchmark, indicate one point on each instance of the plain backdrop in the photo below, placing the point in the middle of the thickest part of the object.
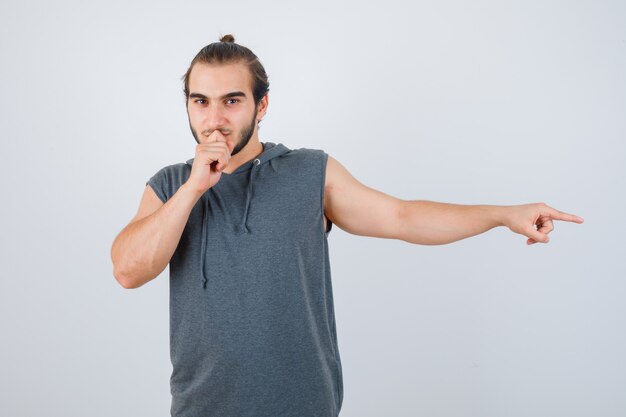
(501, 102)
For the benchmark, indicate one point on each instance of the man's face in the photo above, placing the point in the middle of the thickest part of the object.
(220, 97)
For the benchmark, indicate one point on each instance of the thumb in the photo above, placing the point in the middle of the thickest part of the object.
(537, 236)
(230, 145)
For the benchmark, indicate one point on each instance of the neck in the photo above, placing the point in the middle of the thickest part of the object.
(252, 149)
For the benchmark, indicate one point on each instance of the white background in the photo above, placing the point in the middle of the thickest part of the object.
(462, 102)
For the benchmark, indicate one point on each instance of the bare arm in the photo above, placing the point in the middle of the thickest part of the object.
(364, 211)
(142, 250)
(433, 223)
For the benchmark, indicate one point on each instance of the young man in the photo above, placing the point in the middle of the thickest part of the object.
(244, 228)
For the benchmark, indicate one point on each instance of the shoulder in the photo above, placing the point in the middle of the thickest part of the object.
(307, 161)
(306, 153)
(168, 179)
(332, 169)
(336, 173)
(174, 171)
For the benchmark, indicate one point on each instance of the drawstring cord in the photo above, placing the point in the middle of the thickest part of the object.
(242, 228)
(205, 209)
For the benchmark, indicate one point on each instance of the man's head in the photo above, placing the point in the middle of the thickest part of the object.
(226, 89)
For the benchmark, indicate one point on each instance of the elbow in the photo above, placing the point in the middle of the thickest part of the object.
(123, 280)
(131, 280)
(131, 276)
(118, 271)
(401, 221)
(414, 228)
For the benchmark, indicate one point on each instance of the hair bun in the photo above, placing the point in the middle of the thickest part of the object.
(228, 38)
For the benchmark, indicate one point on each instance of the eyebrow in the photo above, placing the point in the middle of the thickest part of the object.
(227, 95)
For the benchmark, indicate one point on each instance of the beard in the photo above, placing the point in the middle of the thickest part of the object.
(244, 136)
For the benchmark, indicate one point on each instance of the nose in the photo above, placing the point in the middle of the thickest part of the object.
(214, 117)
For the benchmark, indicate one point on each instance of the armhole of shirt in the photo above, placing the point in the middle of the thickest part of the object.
(329, 226)
(157, 191)
(157, 182)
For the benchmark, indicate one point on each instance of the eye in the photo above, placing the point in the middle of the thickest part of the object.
(235, 99)
(200, 99)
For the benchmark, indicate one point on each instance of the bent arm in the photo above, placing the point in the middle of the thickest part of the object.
(433, 223)
(142, 250)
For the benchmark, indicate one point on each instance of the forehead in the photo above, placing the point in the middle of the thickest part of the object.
(213, 80)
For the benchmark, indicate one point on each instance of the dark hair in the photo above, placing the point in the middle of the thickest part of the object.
(226, 51)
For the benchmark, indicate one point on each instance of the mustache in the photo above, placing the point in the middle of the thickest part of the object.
(209, 132)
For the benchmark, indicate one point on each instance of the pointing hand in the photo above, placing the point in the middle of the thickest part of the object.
(524, 218)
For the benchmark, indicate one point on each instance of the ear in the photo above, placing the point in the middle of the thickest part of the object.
(262, 107)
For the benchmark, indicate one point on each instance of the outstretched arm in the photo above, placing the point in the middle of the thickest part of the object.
(433, 223)
(364, 211)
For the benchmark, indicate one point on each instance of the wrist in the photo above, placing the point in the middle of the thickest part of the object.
(499, 214)
(191, 191)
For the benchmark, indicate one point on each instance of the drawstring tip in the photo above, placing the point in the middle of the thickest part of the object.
(241, 229)
(204, 283)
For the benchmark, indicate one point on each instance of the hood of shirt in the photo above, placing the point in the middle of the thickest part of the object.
(251, 169)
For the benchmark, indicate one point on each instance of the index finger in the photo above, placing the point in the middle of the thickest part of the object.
(215, 136)
(560, 215)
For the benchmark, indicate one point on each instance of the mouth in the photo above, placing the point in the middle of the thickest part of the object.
(207, 134)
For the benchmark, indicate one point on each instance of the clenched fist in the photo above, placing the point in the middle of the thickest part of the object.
(212, 156)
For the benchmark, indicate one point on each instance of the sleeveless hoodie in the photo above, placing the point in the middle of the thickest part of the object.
(252, 324)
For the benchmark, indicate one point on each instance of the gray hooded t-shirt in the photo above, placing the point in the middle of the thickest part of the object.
(252, 323)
